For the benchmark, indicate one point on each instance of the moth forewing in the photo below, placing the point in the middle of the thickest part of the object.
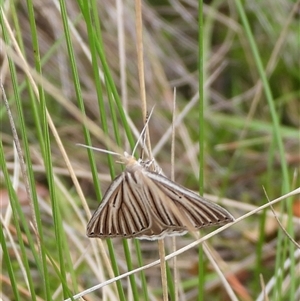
(123, 212)
(95, 225)
(167, 214)
(146, 205)
(181, 209)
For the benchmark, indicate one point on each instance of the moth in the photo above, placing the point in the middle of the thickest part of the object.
(143, 203)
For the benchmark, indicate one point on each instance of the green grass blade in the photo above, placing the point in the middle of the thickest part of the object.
(201, 266)
(8, 263)
(46, 147)
(92, 41)
(35, 212)
(282, 240)
(9, 266)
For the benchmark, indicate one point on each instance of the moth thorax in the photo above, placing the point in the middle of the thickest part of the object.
(151, 165)
(130, 161)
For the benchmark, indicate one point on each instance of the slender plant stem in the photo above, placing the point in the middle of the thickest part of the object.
(162, 255)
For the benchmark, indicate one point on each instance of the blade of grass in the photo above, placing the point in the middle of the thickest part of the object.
(33, 196)
(88, 17)
(282, 240)
(9, 263)
(140, 262)
(85, 130)
(115, 93)
(103, 118)
(171, 286)
(268, 93)
(63, 252)
(9, 266)
(255, 125)
(201, 266)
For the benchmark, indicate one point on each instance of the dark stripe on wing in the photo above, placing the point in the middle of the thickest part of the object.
(200, 212)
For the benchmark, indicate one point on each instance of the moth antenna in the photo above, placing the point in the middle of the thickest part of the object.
(143, 146)
(144, 140)
(99, 149)
(143, 131)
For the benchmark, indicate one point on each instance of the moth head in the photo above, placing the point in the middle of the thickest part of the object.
(128, 160)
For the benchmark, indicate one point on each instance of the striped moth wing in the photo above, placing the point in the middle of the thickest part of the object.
(146, 205)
